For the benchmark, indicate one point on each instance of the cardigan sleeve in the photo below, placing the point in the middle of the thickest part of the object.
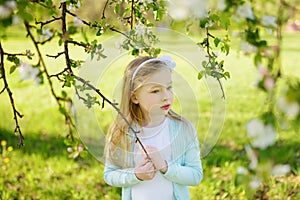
(118, 177)
(188, 173)
(186, 167)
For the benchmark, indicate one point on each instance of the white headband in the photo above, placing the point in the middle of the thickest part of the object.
(165, 59)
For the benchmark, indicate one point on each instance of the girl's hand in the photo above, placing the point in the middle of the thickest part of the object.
(145, 170)
(159, 163)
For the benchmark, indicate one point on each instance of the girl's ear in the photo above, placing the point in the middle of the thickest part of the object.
(134, 99)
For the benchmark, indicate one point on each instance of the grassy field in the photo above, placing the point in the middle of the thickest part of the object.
(43, 170)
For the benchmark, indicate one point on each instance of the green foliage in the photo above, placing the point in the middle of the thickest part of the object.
(44, 21)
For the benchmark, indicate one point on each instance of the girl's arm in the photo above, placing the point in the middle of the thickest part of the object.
(118, 177)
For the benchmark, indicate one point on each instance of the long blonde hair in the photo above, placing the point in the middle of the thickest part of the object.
(118, 132)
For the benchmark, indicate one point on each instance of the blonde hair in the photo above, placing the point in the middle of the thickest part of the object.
(118, 132)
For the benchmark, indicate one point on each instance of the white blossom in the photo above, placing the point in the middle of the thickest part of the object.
(147, 1)
(290, 109)
(77, 22)
(262, 135)
(268, 21)
(11, 4)
(242, 170)
(221, 5)
(73, 7)
(72, 108)
(182, 9)
(269, 83)
(248, 48)
(140, 29)
(4, 12)
(252, 157)
(281, 170)
(46, 34)
(28, 72)
(262, 70)
(245, 11)
(254, 183)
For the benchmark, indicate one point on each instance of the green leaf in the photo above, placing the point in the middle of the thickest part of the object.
(217, 41)
(64, 94)
(72, 30)
(117, 9)
(226, 74)
(12, 69)
(201, 74)
(135, 52)
(99, 32)
(60, 41)
(62, 110)
(204, 63)
(203, 22)
(158, 15)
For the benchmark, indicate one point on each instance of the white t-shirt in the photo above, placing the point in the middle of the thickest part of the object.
(159, 188)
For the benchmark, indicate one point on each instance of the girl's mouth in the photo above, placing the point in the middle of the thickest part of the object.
(165, 107)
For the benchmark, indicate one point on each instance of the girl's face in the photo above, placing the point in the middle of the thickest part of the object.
(155, 97)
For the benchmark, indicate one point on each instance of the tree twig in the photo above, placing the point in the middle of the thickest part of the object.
(116, 108)
(47, 22)
(10, 94)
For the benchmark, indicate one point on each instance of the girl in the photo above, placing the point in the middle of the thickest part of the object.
(169, 158)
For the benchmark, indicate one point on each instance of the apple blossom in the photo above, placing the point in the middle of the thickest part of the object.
(242, 170)
(77, 22)
(140, 29)
(181, 9)
(245, 11)
(289, 108)
(247, 48)
(262, 135)
(268, 21)
(269, 83)
(221, 5)
(46, 34)
(280, 170)
(73, 7)
(28, 72)
(4, 12)
(254, 183)
(69, 149)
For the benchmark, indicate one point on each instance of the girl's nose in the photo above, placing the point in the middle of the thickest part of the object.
(165, 95)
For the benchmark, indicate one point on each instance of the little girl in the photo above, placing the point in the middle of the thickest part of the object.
(168, 161)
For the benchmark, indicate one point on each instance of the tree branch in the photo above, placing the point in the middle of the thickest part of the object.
(104, 8)
(68, 118)
(10, 94)
(116, 108)
(56, 56)
(47, 22)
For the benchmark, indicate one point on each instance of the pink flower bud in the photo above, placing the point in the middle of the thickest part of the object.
(80, 148)
(269, 83)
(69, 149)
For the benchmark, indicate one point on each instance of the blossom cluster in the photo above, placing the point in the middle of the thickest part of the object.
(27, 72)
(7, 9)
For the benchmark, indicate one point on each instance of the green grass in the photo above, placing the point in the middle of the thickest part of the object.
(42, 169)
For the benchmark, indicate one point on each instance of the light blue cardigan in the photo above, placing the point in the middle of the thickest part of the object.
(184, 170)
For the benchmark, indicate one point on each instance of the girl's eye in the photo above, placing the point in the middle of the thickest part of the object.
(154, 91)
